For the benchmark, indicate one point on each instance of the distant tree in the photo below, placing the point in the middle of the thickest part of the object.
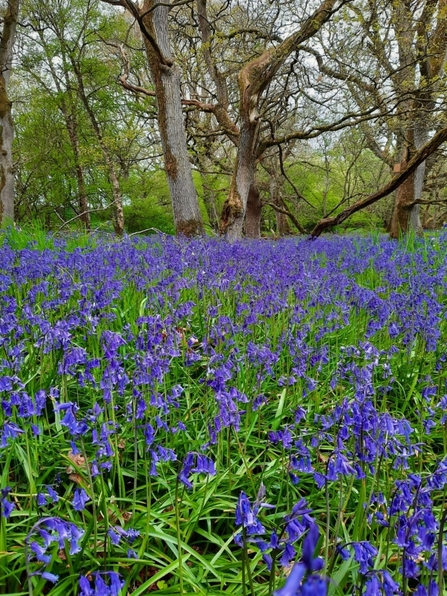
(66, 33)
(10, 18)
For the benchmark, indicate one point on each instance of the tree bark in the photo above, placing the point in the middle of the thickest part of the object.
(420, 44)
(406, 211)
(82, 190)
(6, 122)
(253, 215)
(282, 223)
(233, 212)
(166, 79)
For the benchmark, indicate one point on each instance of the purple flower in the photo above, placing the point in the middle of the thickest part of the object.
(80, 498)
(41, 499)
(293, 582)
(111, 587)
(39, 553)
(309, 545)
(47, 575)
(363, 554)
(203, 465)
(246, 516)
(6, 507)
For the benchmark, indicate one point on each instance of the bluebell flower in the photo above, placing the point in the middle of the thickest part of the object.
(51, 577)
(6, 506)
(41, 499)
(314, 586)
(293, 581)
(194, 463)
(39, 553)
(105, 583)
(363, 554)
(373, 586)
(246, 516)
(80, 499)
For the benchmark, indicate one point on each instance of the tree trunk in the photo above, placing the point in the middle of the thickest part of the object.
(82, 191)
(282, 223)
(209, 200)
(406, 212)
(420, 157)
(6, 123)
(166, 78)
(118, 212)
(253, 215)
(233, 213)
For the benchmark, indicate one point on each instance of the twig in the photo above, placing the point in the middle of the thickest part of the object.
(81, 214)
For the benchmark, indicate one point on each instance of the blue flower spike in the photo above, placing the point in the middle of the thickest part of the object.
(314, 585)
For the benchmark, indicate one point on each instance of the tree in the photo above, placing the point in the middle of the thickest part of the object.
(253, 80)
(10, 18)
(152, 19)
(423, 52)
(410, 168)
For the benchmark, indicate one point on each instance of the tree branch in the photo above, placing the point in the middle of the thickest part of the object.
(349, 120)
(283, 172)
(135, 12)
(83, 213)
(419, 157)
(290, 215)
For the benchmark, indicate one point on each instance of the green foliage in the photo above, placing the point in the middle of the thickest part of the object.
(148, 203)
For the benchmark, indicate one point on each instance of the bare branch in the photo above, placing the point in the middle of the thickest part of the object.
(83, 213)
(290, 215)
(258, 32)
(135, 12)
(283, 172)
(419, 157)
(168, 4)
(348, 120)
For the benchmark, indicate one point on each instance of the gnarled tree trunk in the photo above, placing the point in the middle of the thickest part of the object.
(6, 123)
(406, 210)
(235, 206)
(254, 79)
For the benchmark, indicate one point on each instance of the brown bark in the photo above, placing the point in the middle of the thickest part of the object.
(253, 214)
(6, 123)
